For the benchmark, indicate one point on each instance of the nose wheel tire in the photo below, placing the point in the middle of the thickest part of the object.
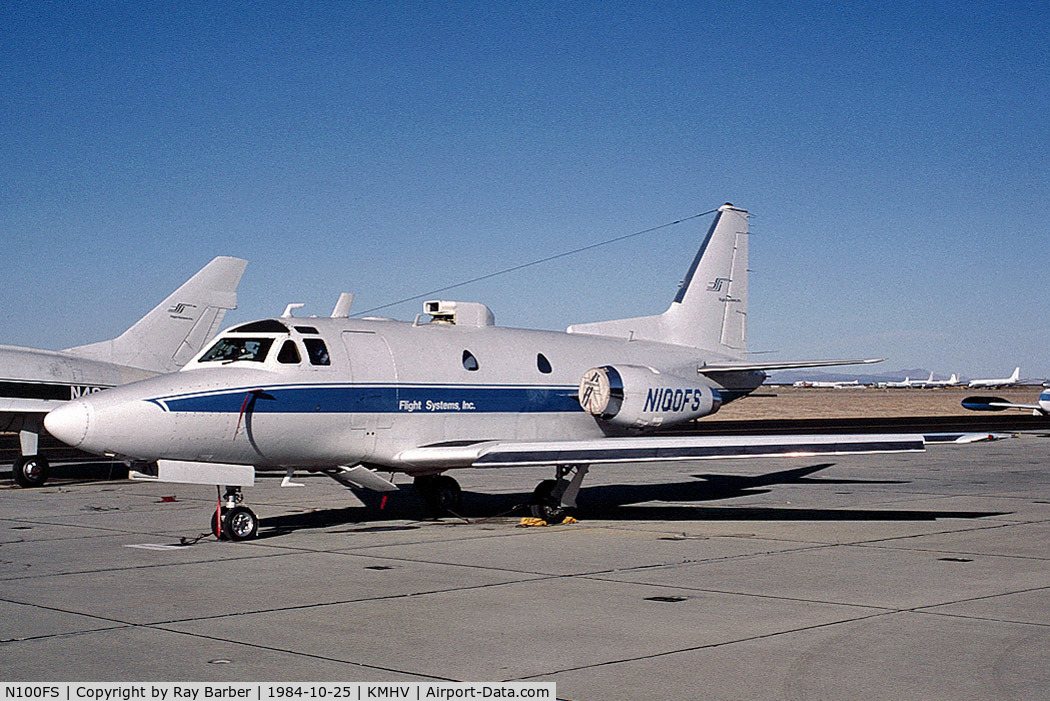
(30, 471)
(238, 523)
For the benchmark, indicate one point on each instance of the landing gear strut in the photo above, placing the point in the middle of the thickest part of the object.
(441, 494)
(30, 471)
(553, 499)
(233, 520)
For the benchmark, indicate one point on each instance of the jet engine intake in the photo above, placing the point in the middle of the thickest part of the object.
(634, 396)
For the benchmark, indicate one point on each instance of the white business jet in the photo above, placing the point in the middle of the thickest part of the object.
(35, 381)
(354, 398)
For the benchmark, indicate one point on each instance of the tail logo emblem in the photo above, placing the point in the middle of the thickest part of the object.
(179, 309)
(716, 284)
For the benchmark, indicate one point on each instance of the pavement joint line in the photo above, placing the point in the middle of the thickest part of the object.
(708, 646)
(723, 558)
(770, 597)
(160, 627)
(354, 548)
(118, 623)
(809, 546)
(283, 552)
(780, 597)
(951, 552)
(66, 634)
(145, 566)
(987, 619)
(983, 597)
(297, 607)
(919, 497)
(298, 653)
(104, 530)
(951, 531)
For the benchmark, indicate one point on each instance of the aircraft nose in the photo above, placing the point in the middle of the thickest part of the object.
(69, 422)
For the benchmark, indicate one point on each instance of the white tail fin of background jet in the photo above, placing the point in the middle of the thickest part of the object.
(710, 309)
(177, 328)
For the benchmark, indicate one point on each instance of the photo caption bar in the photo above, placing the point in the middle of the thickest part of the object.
(275, 691)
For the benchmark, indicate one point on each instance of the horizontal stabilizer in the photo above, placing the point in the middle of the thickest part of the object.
(653, 449)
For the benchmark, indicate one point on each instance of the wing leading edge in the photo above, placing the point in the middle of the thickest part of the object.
(655, 449)
(743, 365)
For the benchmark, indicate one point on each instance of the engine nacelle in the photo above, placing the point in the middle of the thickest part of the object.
(633, 396)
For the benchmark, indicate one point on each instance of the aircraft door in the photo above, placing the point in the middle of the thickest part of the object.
(374, 375)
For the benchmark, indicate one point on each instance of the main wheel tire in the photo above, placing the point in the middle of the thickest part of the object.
(30, 471)
(240, 523)
(441, 494)
(543, 505)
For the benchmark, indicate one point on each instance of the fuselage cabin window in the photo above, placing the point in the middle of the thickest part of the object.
(542, 364)
(469, 361)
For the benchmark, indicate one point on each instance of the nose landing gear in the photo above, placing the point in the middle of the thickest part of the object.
(233, 520)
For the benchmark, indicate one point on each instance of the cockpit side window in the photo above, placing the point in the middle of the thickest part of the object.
(289, 354)
(231, 349)
(317, 351)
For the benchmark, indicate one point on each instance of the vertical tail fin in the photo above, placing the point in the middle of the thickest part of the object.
(1017, 374)
(710, 309)
(177, 328)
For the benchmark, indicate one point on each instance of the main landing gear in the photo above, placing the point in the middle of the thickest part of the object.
(30, 471)
(552, 500)
(441, 494)
(233, 520)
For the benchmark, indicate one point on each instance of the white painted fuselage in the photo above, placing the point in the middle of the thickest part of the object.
(388, 386)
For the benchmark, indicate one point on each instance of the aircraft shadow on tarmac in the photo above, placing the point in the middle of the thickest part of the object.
(632, 502)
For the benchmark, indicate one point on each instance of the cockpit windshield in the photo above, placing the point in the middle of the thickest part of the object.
(230, 349)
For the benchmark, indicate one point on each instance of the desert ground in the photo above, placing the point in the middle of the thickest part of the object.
(776, 402)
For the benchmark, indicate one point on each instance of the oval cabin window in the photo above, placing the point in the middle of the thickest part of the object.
(542, 364)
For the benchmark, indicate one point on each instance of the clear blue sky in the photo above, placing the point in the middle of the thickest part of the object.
(894, 157)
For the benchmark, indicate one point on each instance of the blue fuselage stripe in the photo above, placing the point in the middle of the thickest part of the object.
(378, 399)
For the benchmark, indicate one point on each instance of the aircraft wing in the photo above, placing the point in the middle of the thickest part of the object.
(651, 449)
(742, 365)
(29, 405)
